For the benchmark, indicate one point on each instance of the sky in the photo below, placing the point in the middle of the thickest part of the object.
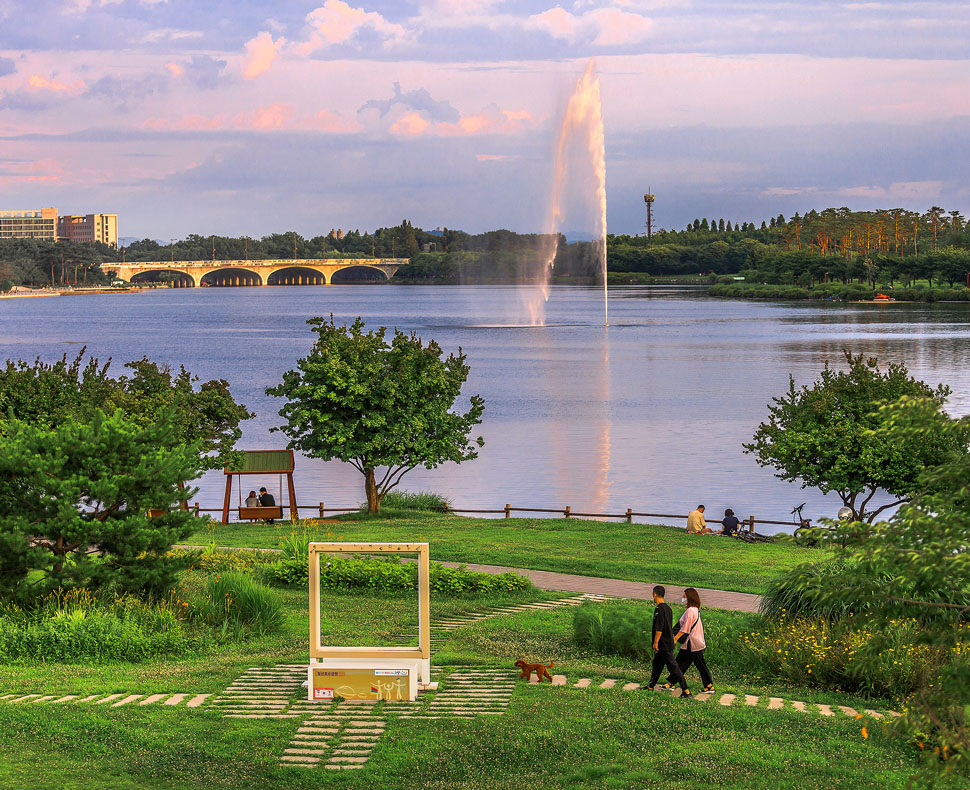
(249, 118)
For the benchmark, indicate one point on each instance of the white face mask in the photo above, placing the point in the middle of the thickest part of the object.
(683, 600)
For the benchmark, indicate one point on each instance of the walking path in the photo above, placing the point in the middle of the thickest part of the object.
(593, 585)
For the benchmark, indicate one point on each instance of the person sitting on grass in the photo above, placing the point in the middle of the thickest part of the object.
(692, 651)
(696, 524)
(663, 644)
(730, 523)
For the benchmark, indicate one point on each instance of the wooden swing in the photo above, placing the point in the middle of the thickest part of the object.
(262, 462)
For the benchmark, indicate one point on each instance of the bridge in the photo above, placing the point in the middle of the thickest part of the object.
(300, 271)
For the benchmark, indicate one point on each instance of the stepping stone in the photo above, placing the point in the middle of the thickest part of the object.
(850, 712)
(608, 683)
(304, 751)
(108, 698)
(29, 696)
(875, 714)
(290, 758)
(358, 732)
(153, 698)
(631, 686)
(825, 710)
(703, 696)
(582, 683)
(750, 701)
(89, 698)
(559, 680)
(341, 767)
(260, 716)
(44, 698)
(175, 699)
(726, 699)
(775, 703)
(197, 700)
(68, 698)
(799, 706)
(7, 696)
(328, 730)
(348, 760)
(126, 700)
(351, 752)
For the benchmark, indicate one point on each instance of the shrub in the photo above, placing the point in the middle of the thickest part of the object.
(212, 560)
(823, 653)
(237, 600)
(426, 501)
(76, 625)
(391, 573)
(615, 628)
(795, 592)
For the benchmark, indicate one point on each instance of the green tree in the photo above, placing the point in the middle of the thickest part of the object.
(75, 504)
(829, 436)
(49, 394)
(378, 404)
(915, 566)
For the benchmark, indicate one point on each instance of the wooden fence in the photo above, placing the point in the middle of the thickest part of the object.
(566, 512)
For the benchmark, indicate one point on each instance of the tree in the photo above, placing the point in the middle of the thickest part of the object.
(373, 403)
(829, 436)
(50, 394)
(75, 504)
(915, 566)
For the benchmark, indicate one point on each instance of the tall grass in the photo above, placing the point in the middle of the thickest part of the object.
(426, 501)
(237, 601)
(619, 628)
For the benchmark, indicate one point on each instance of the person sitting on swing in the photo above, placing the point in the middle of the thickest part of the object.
(266, 499)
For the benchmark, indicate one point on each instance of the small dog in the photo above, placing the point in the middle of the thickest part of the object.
(539, 669)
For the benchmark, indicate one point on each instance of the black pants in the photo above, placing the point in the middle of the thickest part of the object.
(687, 657)
(664, 657)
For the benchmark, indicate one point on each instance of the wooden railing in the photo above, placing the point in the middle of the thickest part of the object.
(566, 512)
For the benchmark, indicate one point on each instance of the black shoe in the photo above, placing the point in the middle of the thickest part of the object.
(650, 687)
(709, 688)
(685, 694)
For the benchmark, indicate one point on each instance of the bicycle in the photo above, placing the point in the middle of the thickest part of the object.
(804, 532)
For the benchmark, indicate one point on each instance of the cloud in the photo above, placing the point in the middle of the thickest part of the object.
(336, 22)
(491, 120)
(35, 82)
(279, 116)
(126, 93)
(602, 27)
(204, 71)
(897, 190)
(411, 123)
(160, 34)
(418, 100)
(260, 54)
(46, 169)
(7, 66)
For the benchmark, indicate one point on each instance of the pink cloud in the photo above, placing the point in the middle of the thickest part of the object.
(272, 116)
(326, 121)
(490, 121)
(46, 169)
(336, 22)
(260, 54)
(37, 83)
(605, 26)
(495, 157)
(175, 68)
(410, 124)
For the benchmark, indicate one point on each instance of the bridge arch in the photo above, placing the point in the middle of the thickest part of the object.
(297, 275)
(359, 274)
(231, 277)
(178, 279)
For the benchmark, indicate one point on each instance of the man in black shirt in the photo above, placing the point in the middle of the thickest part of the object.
(663, 644)
(266, 499)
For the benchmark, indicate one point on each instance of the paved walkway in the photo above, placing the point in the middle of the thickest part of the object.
(595, 585)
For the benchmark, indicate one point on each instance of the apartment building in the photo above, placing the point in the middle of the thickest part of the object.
(89, 227)
(30, 224)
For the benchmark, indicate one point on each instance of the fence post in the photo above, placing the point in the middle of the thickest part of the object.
(629, 515)
(321, 510)
(566, 511)
(196, 509)
(508, 510)
(751, 524)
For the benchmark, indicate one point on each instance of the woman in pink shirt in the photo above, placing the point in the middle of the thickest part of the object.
(692, 651)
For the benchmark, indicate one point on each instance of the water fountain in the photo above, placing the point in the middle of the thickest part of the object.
(582, 127)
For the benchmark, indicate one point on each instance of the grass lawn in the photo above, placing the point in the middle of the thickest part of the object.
(548, 738)
(636, 552)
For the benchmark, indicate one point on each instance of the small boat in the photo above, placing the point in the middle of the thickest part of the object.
(883, 298)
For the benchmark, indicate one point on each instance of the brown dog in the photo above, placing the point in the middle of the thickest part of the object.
(539, 669)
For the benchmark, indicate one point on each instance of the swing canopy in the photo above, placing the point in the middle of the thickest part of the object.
(263, 462)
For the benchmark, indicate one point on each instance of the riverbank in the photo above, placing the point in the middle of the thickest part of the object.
(29, 293)
(840, 292)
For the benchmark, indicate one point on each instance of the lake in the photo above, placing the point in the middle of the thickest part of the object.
(649, 413)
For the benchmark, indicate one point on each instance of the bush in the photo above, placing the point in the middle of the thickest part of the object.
(621, 628)
(347, 573)
(795, 592)
(823, 653)
(412, 500)
(75, 625)
(238, 601)
(212, 560)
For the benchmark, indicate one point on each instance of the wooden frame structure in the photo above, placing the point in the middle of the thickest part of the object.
(263, 462)
(421, 653)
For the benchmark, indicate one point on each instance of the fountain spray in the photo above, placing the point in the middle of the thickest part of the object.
(583, 120)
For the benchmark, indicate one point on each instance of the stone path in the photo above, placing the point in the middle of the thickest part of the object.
(185, 700)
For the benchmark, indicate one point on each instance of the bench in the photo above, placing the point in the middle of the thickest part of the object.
(274, 513)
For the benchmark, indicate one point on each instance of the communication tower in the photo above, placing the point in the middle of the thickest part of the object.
(648, 199)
